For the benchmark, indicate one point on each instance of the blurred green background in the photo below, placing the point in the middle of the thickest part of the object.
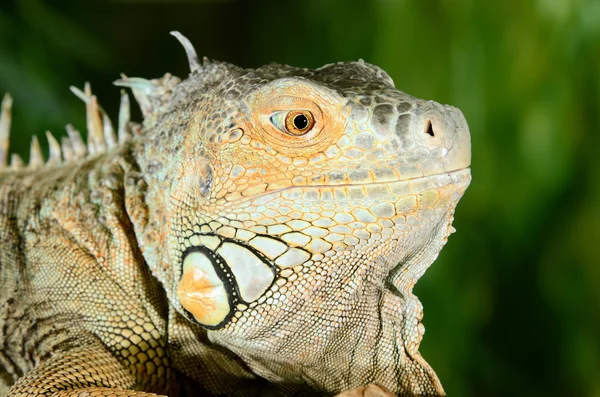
(512, 306)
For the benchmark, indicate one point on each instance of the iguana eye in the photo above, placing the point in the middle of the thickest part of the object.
(294, 122)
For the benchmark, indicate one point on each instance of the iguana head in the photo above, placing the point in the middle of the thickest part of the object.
(300, 208)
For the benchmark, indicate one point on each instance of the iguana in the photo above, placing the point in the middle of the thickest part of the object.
(260, 233)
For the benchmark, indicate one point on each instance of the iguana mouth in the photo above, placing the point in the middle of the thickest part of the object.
(459, 171)
(402, 186)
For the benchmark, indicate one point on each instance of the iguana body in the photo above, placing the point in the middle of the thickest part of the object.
(259, 234)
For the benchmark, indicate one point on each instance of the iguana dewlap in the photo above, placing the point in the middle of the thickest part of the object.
(259, 234)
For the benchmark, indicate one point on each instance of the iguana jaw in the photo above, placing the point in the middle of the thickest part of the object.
(222, 261)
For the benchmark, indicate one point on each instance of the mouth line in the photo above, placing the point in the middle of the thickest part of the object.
(416, 178)
(276, 191)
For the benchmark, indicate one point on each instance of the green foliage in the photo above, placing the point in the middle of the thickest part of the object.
(512, 306)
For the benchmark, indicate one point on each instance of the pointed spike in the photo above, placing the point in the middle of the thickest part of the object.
(124, 116)
(109, 132)
(86, 96)
(136, 83)
(79, 148)
(142, 90)
(94, 125)
(5, 121)
(36, 159)
(54, 147)
(67, 149)
(100, 129)
(87, 89)
(16, 162)
(79, 94)
(192, 56)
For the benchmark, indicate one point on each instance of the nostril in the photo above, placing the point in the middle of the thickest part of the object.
(429, 128)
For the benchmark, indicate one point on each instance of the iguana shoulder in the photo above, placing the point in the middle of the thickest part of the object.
(260, 232)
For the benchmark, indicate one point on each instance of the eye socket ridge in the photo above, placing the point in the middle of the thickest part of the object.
(293, 122)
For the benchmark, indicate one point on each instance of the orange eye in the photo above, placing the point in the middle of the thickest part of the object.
(299, 122)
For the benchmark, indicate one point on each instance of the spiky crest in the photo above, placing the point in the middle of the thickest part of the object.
(151, 96)
(100, 134)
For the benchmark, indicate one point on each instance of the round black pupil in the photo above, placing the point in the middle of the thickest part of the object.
(300, 122)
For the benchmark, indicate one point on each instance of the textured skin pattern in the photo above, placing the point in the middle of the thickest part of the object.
(65, 293)
(219, 250)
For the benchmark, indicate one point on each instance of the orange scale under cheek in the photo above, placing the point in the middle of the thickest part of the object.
(201, 292)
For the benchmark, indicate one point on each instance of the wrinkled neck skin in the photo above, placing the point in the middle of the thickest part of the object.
(374, 337)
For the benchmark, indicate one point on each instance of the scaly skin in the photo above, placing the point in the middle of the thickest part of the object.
(230, 247)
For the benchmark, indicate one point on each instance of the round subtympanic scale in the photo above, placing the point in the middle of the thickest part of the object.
(201, 292)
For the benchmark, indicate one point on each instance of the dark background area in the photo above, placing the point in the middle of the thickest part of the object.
(512, 305)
